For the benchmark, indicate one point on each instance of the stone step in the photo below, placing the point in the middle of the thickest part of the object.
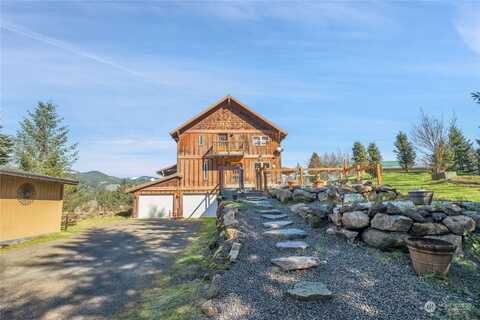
(270, 211)
(292, 244)
(286, 234)
(274, 216)
(296, 262)
(308, 291)
(255, 198)
(277, 224)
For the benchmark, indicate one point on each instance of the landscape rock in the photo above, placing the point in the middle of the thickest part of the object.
(349, 198)
(234, 251)
(284, 195)
(384, 240)
(349, 234)
(304, 196)
(335, 218)
(229, 220)
(270, 211)
(452, 209)
(438, 216)
(277, 224)
(292, 244)
(215, 287)
(415, 215)
(399, 207)
(209, 309)
(355, 220)
(296, 262)
(300, 208)
(387, 222)
(286, 234)
(308, 291)
(378, 207)
(460, 225)
(475, 215)
(428, 228)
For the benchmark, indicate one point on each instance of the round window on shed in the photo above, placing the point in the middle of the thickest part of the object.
(26, 193)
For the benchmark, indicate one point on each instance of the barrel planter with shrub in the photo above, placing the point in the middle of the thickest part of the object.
(430, 255)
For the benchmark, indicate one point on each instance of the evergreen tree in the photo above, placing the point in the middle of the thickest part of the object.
(476, 96)
(405, 152)
(359, 153)
(315, 161)
(6, 148)
(42, 143)
(374, 155)
(462, 150)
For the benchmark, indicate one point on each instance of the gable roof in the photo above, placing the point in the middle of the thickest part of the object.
(151, 183)
(166, 171)
(174, 133)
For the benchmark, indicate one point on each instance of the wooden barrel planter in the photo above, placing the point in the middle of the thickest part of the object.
(430, 255)
(421, 197)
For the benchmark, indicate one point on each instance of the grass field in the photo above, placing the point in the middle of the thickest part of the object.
(73, 230)
(458, 189)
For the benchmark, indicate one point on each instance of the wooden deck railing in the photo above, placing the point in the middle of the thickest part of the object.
(229, 148)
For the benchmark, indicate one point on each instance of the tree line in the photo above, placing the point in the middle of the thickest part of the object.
(42, 146)
(441, 147)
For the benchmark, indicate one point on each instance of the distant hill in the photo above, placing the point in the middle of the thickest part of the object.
(99, 179)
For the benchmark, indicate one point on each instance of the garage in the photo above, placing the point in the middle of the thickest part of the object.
(199, 205)
(155, 206)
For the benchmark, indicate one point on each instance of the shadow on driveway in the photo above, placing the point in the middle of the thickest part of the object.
(90, 276)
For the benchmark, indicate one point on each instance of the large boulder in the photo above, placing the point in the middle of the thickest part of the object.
(355, 220)
(349, 198)
(415, 215)
(321, 209)
(384, 240)
(303, 195)
(428, 228)
(335, 218)
(377, 208)
(300, 208)
(387, 222)
(451, 209)
(399, 207)
(284, 195)
(475, 215)
(460, 225)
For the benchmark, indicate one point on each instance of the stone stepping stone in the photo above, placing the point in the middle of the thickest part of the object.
(270, 211)
(296, 262)
(286, 234)
(308, 291)
(292, 244)
(274, 216)
(256, 198)
(277, 224)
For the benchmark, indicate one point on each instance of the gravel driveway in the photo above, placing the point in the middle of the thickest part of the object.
(90, 276)
(366, 283)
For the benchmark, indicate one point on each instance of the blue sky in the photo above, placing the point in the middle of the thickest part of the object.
(125, 73)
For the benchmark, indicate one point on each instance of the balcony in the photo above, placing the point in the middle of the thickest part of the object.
(228, 149)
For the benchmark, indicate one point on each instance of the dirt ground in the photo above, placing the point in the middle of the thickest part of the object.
(89, 276)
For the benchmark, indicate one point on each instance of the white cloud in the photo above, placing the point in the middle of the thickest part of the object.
(467, 24)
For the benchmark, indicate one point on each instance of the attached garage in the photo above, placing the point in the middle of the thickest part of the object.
(199, 205)
(155, 206)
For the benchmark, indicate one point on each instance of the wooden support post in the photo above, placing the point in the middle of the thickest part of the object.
(241, 178)
(220, 178)
(265, 182)
(378, 172)
(301, 177)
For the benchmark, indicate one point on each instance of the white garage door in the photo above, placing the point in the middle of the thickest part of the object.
(155, 206)
(199, 205)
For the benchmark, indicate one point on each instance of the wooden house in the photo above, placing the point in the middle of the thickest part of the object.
(222, 147)
(30, 204)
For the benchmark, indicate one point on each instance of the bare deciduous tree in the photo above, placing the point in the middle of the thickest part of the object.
(430, 137)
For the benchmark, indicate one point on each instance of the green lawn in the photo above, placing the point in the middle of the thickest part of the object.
(177, 294)
(72, 230)
(443, 190)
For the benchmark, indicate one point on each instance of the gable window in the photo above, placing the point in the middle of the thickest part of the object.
(201, 140)
(222, 137)
(205, 170)
(260, 165)
(260, 141)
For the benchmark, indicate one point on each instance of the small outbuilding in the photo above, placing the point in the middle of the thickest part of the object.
(30, 204)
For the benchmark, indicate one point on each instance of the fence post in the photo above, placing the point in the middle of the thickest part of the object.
(378, 173)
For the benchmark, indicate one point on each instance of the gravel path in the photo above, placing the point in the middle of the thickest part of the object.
(365, 282)
(89, 276)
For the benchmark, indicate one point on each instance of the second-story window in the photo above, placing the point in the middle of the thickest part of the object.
(201, 140)
(260, 141)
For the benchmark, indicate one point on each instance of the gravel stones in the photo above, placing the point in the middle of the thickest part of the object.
(387, 222)
(292, 263)
(286, 234)
(292, 244)
(355, 220)
(277, 224)
(308, 291)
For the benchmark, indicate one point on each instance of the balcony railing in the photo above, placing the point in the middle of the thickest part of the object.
(228, 148)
